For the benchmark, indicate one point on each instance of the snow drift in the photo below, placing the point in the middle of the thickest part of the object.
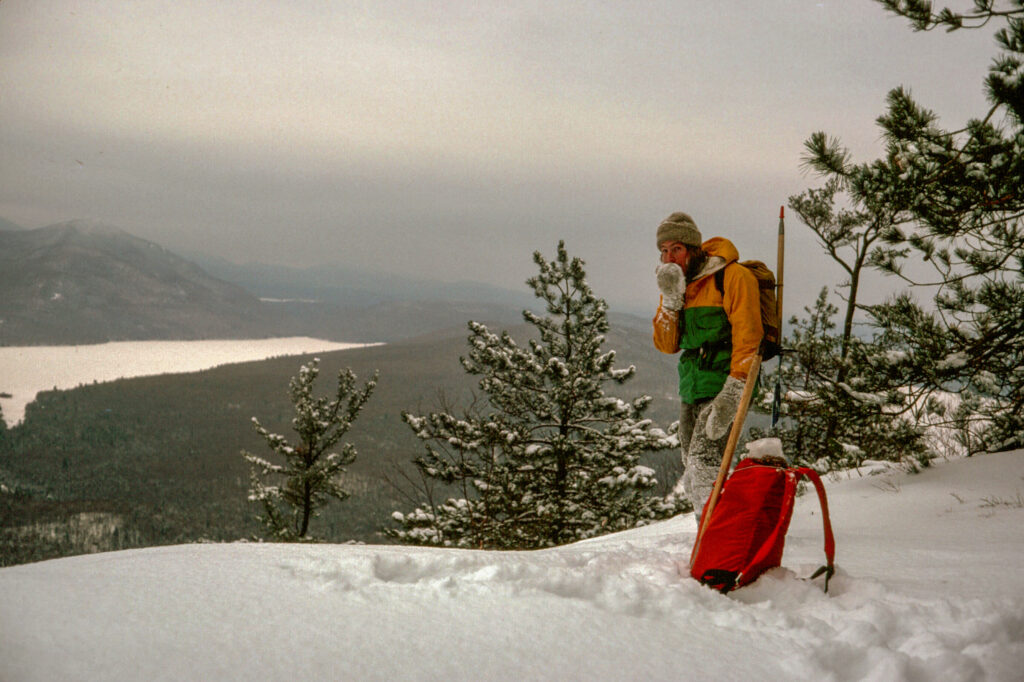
(928, 587)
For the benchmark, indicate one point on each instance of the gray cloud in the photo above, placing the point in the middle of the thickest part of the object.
(450, 139)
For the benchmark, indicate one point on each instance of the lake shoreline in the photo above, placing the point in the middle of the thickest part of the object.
(27, 370)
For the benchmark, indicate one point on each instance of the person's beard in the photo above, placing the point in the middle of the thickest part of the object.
(695, 265)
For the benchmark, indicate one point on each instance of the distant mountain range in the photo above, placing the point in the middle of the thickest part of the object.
(87, 282)
(352, 286)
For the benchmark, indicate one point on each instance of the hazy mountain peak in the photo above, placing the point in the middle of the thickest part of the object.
(89, 226)
(6, 224)
(88, 280)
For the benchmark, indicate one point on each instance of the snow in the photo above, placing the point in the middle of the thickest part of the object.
(26, 370)
(929, 587)
(953, 361)
(764, 447)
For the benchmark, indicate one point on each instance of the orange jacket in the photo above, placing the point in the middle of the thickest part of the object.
(741, 303)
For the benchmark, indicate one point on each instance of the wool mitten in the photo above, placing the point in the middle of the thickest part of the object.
(670, 283)
(723, 408)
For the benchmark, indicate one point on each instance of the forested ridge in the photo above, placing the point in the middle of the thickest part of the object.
(155, 460)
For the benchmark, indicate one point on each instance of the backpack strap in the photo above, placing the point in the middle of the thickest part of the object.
(830, 543)
(719, 276)
(707, 348)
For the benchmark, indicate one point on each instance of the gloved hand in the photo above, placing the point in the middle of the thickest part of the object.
(671, 285)
(723, 408)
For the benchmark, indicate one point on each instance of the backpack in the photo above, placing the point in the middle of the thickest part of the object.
(747, 531)
(771, 343)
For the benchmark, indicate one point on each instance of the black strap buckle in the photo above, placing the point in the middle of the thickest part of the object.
(828, 570)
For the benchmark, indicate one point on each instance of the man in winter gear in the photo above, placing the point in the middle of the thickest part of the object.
(718, 332)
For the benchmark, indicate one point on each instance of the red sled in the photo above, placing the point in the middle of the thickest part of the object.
(747, 531)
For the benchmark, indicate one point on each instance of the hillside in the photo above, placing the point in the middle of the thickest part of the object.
(925, 590)
(81, 281)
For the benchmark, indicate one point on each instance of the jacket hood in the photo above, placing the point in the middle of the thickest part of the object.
(721, 247)
(720, 252)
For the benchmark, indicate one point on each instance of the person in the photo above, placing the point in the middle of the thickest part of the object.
(717, 326)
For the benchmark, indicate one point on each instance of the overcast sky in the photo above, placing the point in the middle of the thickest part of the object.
(452, 139)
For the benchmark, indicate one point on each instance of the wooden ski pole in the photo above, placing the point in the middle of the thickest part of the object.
(730, 448)
(741, 411)
(779, 270)
(777, 393)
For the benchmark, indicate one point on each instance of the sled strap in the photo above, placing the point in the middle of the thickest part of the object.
(830, 543)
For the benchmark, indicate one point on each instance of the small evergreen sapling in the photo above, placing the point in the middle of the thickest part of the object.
(839, 409)
(292, 493)
(551, 459)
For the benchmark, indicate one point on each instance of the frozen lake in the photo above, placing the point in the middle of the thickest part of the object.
(26, 370)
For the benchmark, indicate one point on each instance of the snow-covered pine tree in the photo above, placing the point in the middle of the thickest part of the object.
(956, 202)
(292, 493)
(551, 458)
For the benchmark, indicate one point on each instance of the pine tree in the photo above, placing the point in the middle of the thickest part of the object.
(955, 201)
(848, 237)
(551, 458)
(292, 493)
(838, 409)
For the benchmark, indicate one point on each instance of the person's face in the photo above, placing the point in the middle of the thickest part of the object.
(675, 252)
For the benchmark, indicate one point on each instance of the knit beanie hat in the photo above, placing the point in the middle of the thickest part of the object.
(678, 227)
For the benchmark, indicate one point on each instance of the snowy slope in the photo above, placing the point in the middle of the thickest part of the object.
(930, 587)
